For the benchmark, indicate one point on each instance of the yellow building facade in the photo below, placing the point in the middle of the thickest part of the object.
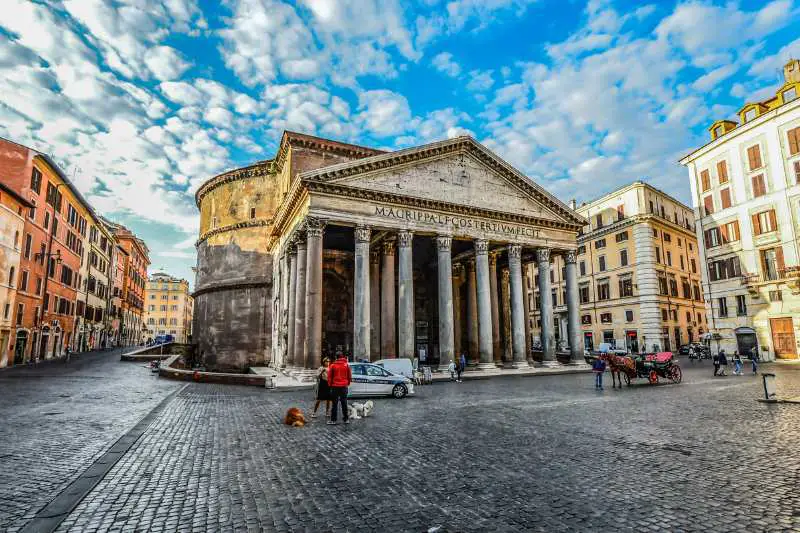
(168, 307)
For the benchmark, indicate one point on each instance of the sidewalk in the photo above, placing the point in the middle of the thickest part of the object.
(286, 382)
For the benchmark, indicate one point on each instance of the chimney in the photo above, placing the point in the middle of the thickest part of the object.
(573, 204)
(791, 71)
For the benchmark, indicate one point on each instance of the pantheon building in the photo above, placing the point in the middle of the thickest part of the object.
(421, 253)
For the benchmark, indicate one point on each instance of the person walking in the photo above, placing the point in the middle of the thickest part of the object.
(452, 369)
(462, 365)
(737, 364)
(323, 389)
(599, 368)
(716, 364)
(339, 378)
(754, 359)
(723, 362)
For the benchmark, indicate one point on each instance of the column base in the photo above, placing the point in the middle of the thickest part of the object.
(487, 366)
(551, 364)
(520, 364)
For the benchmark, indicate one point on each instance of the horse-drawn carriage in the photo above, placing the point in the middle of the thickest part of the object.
(649, 365)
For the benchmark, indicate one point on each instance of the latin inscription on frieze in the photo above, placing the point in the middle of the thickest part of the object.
(455, 222)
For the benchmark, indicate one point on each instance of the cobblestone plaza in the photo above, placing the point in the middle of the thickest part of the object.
(507, 454)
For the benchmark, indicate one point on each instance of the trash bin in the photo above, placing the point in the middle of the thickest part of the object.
(770, 393)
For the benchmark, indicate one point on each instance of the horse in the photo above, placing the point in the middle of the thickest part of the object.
(616, 366)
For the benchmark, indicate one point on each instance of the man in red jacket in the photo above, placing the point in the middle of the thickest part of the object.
(339, 378)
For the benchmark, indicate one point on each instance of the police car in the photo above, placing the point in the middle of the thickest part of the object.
(372, 380)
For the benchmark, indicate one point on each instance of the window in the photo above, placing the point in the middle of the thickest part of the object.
(581, 249)
(682, 263)
(598, 221)
(151, 308)
(754, 157)
(722, 172)
(667, 236)
(36, 181)
(163, 308)
(673, 314)
(32, 212)
(664, 315)
(765, 222)
(23, 281)
(722, 307)
(705, 180)
(621, 237)
(718, 131)
(759, 188)
(794, 141)
(623, 258)
(620, 212)
(252, 212)
(741, 305)
(662, 286)
(625, 287)
(712, 237)
(686, 289)
(658, 254)
(655, 233)
(54, 197)
(175, 307)
(797, 171)
(20, 312)
(694, 265)
(599, 243)
(673, 287)
(708, 204)
(696, 292)
(605, 318)
(628, 316)
(603, 291)
(213, 222)
(11, 274)
(601, 263)
(750, 114)
(66, 275)
(669, 258)
(582, 268)
(28, 244)
(38, 285)
(772, 263)
(583, 293)
(725, 197)
(586, 319)
(789, 94)
(722, 269)
(6, 311)
(776, 296)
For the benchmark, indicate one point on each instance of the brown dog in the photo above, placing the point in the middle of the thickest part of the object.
(295, 418)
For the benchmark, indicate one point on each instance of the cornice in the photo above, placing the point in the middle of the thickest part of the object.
(230, 286)
(435, 205)
(290, 201)
(257, 223)
(300, 140)
(262, 168)
(452, 146)
(631, 221)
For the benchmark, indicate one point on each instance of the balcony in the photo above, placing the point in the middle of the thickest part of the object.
(789, 276)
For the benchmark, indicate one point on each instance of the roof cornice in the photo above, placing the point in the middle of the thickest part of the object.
(262, 168)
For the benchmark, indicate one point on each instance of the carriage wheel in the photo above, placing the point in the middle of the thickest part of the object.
(627, 379)
(652, 377)
(675, 374)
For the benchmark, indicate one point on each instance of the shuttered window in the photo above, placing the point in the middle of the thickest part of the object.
(794, 141)
(759, 188)
(722, 172)
(708, 204)
(765, 222)
(754, 157)
(725, 197)
(797, 171)
(705, 180)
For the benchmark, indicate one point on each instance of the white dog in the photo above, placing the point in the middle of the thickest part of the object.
(360, 410)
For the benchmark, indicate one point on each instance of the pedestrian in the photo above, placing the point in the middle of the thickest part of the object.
(716, 364)
(723, 362)
(339, 378)
(323, 389)
(462, 365)
(737, 363)
(599, 368)
(452, 369)
(754, 359)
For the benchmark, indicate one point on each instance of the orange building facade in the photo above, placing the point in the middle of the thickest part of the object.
(136, 261)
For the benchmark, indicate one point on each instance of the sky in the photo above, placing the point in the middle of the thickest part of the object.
(141, 101)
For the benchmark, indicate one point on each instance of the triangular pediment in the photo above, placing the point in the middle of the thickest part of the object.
(458, 171)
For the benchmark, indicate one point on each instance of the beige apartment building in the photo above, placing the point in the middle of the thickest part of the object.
(638, 273)
(168, 307)
(746, 192)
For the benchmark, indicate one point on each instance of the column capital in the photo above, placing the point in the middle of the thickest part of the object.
(543, 255)
(375, 257)
(291, 248)
(444, 243)
(570, 256)
(457, 269)
(388, 246)
(362, 233)
(300, 243)
(493, 255)
(315, 226)
(515, 251)
(404, 238)
(481, 247)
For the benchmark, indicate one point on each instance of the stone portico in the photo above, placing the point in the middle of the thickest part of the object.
(417, 253)
(422, 251)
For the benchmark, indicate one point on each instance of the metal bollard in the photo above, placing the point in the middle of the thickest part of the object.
(770, 393)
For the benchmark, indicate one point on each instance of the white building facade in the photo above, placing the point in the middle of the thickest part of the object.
(746, 194)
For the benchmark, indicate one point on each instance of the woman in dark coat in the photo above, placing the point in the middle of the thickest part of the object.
(323, 389)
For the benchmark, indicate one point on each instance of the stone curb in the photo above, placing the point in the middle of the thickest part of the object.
(180, 374)
(51, 515)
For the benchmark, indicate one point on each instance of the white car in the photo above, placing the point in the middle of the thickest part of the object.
(372, 380)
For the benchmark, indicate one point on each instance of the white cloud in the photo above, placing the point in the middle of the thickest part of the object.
(384, 112)
(443, 62)
(165, 62)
